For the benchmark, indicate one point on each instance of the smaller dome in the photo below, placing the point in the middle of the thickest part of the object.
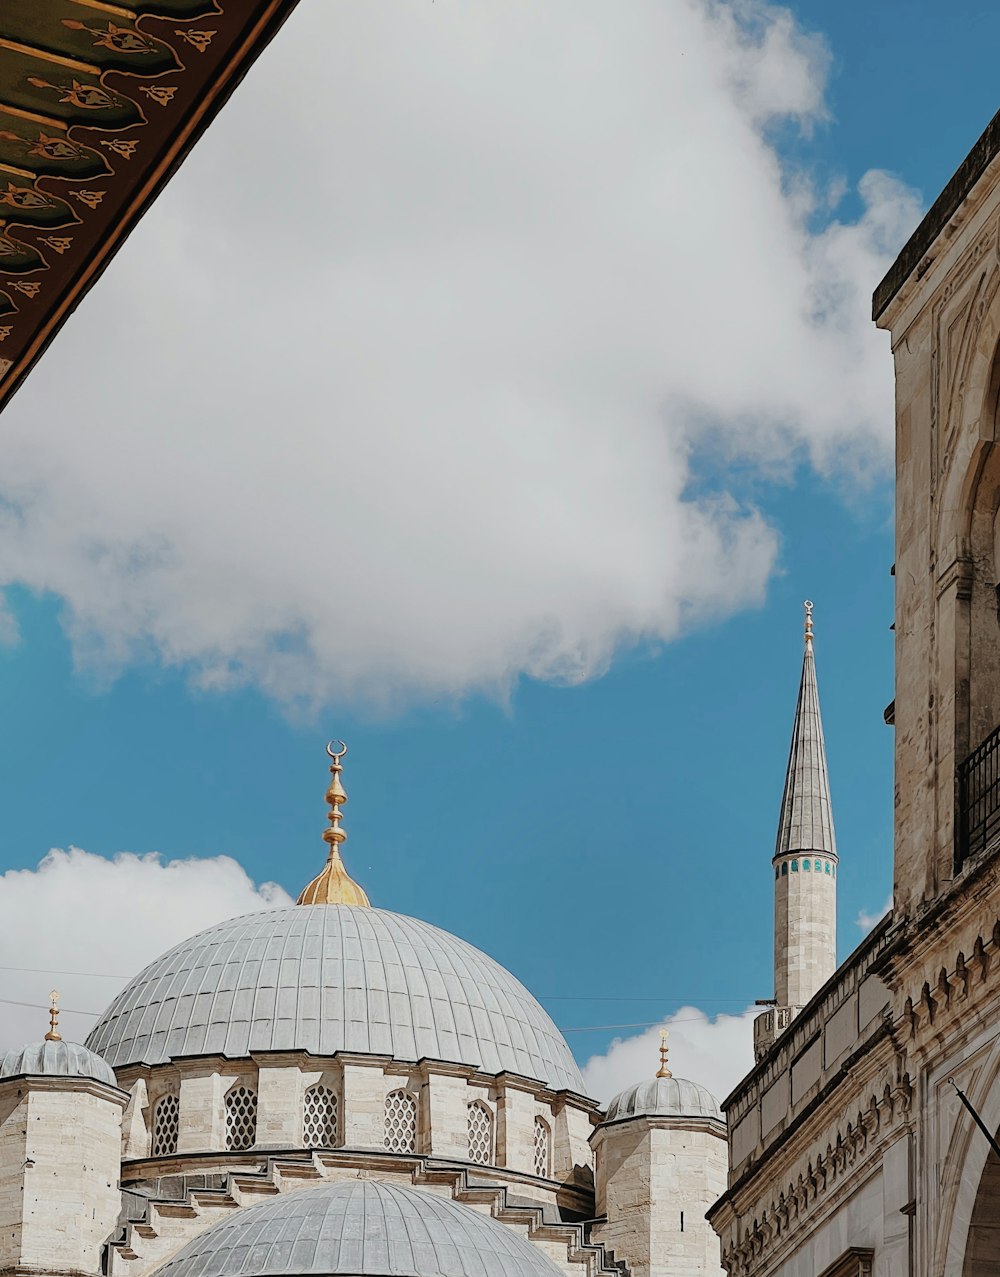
(360, 1228)
(56, 1059)
(664, 1097)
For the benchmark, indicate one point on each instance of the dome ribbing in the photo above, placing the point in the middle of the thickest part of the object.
(331, 978)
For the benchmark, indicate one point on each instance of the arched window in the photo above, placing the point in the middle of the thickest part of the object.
(400, 1122)
(319, 1117)
(543, 1165)
(784, 869)
(480, 1134)
(166, 1125)
(241, 1118)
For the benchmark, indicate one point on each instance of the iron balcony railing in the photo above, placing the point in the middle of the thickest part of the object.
(979, 800)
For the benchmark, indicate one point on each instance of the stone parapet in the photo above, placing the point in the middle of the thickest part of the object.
(811, 1055)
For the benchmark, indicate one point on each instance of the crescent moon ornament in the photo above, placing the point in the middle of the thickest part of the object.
(333, 753)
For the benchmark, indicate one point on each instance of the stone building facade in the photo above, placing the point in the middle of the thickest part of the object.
(850, 1149)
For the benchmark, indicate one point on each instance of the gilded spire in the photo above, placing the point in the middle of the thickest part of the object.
(53, 1034)
(806, 822)
(663, 1070)
(334, 886)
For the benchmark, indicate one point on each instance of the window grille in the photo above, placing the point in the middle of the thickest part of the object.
(979, 801)
(319, 1117)
(542, 1148)
(400, 1122)
(166, 1125)
(480, 1134)
(241, 1118)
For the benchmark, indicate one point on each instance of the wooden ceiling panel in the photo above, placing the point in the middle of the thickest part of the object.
(99, 104)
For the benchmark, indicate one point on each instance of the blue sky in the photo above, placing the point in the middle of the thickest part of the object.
(609, 841)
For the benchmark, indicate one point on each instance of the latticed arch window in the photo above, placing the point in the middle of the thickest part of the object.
(400, 1122)
(241, 1118)
(543, 1165)
(166, 1125)
(320, 1112)
(480, 1133)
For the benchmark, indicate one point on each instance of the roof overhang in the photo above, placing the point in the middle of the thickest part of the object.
(99, 105)
(914, 253)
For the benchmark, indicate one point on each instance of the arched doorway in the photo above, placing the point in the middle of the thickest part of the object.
(982, 1247)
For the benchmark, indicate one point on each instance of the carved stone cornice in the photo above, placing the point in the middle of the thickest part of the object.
(776, 1213)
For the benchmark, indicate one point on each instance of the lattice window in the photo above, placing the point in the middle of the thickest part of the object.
(241, 1118)
(400, 1122)
(166, 1125)
(480, 1134)
(319, 1117)
(541, 1146)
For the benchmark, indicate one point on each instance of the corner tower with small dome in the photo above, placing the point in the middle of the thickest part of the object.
(60, 1155)
(661, 1160)
(804, 866)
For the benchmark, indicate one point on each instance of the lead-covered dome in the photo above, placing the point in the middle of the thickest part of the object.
(56, 1059)
(664, 1097)
(363, 1228)
(329, 978)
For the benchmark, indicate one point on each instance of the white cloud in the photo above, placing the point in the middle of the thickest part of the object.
(81, 913)
(395, 391)
(866, 920)
(714, 1051)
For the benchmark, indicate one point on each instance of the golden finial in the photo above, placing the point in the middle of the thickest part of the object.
(53, 1034)
(663, 1071)
(809, 620)
(334, 886)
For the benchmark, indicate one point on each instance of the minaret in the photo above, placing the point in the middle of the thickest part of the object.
(804, 864)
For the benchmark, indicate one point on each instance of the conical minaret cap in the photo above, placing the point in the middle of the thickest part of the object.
(806, 822)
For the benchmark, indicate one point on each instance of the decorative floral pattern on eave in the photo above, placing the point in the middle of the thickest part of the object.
(98, 106)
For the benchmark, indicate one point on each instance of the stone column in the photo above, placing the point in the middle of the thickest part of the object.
(363, 1115)
(516, 1109)
(279, 1103)
(202, 1120)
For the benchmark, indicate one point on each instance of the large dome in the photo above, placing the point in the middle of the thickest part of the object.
(363, 1228)
(328, 978)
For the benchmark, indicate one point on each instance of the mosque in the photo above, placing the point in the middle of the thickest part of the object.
(333, 1088)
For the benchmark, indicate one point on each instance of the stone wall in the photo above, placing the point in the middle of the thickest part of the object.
(442, 1094)
(60, 1149)
(656, 1179)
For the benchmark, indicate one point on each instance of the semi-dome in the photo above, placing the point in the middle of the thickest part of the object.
(664, 1097)
(329, 978)
(360, 1227)
(56, 1059)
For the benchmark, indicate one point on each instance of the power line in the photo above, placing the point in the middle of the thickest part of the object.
(97, 975)
(640, 1024)
(660, 997)
(579, 1028)
(41, 1006)
(545, 997)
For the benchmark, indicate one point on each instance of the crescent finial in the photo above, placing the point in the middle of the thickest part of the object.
(333, 753)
